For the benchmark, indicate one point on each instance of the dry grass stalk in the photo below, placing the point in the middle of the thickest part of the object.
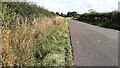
(19, 45)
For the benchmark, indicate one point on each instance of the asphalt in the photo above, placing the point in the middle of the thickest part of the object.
(93, 45)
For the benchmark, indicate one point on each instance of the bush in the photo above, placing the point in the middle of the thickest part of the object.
(21, 12)
(108, 20)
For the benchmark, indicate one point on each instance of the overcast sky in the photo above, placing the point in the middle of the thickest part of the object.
(80, 6)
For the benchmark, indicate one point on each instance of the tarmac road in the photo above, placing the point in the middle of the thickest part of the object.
(93, 45)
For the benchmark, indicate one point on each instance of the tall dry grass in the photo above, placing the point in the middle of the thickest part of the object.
(19, 44)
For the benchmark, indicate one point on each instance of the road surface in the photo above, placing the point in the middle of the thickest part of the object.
(93, 45)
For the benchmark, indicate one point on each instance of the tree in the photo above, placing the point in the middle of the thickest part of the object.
(92, 11)
(57, 13)
(73, 14)
(69, 14)
(62, 14)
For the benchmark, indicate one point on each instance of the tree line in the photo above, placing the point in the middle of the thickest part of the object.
(73, 14)
(106, 19)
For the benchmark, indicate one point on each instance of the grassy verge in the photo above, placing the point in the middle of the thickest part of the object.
(45, 43)
(58, 47)
(102, 24)
(33, 36)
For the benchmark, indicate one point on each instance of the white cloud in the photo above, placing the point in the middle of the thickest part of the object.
(80, 6)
